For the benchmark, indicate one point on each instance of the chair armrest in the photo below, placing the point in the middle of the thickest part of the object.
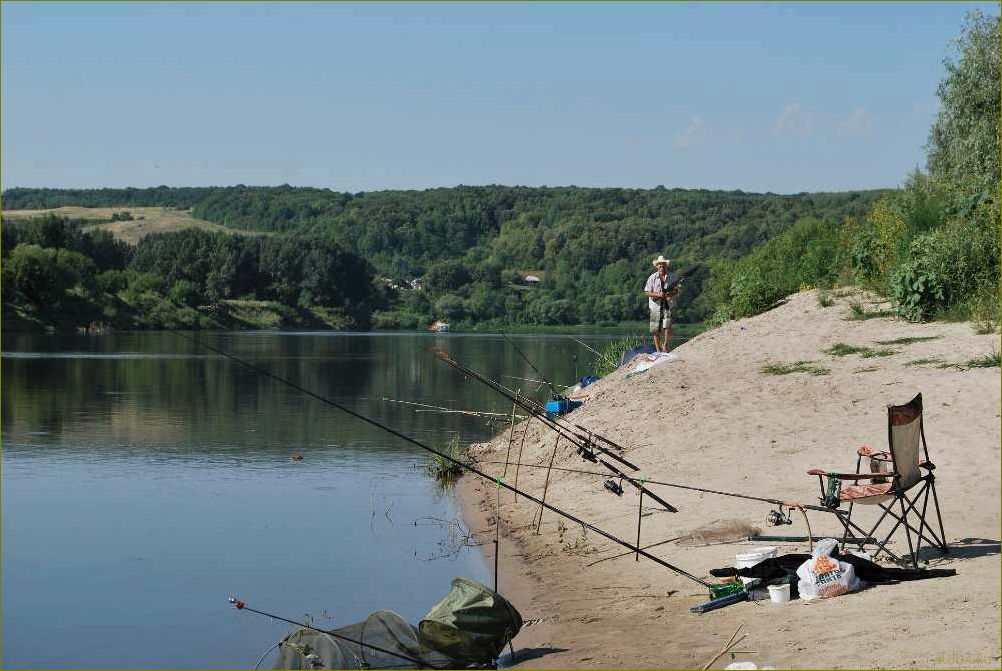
(850, 476)
(874, 454)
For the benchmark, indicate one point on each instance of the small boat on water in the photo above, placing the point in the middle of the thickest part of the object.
(439, 327)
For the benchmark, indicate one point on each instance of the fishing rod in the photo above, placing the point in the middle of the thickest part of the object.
(675, 485)
(585, 345)
(584, 444)
(553, 390)
(240, 605)
(447, 457)
(527, 379)
(581, 433)
(444, 410)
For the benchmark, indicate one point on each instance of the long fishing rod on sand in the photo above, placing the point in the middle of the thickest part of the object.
(576, 434)
(585, 444)
(501, 483)
(675, 485)
(558, 395)
(240, 605)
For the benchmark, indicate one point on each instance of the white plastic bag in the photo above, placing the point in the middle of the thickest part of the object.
(822, 576)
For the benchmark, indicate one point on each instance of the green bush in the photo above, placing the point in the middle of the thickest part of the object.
(803, 255)
(44, 274)
(750, 294)
(111, 281)
(917, 290)
(184, 293)
(145, 282)
(395, 320)
(450, 307)
(951, 270)
(864, 263)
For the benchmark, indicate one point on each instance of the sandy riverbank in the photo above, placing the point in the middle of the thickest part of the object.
(713, 419)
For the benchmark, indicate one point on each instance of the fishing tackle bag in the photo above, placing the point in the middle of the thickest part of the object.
(824, 576)
(472, 623)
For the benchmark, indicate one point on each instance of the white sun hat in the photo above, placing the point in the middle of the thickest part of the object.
(661, 259)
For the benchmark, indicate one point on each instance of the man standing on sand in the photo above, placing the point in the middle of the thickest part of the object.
(661, 297)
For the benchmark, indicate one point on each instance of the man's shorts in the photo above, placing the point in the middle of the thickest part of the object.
(665, 321)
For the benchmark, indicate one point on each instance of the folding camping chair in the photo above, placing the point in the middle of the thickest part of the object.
(892, 477)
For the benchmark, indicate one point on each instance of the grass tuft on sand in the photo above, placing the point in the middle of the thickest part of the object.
(986, 361)
(844, 349)
(929, 361)
(906, 341)
(858, 313)
(794, 367)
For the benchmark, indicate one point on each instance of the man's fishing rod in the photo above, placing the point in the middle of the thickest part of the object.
(585, 445)
(240, 605)
(500, 483)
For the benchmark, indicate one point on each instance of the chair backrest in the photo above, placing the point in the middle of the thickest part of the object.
(904, 429)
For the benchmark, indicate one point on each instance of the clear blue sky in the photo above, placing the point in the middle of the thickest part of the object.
(762, 97)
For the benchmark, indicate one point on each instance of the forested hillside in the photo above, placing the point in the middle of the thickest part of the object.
(933, 245)
(56, 274)
(470, 248)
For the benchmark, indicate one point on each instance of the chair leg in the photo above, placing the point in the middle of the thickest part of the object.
(935, 540)
(918, 539)
(904, 520)
(908, 534)
(881, 546)
(887, 511)
(877, 526)
(942, 534)
(845, 535)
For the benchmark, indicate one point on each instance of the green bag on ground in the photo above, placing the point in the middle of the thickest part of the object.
(472, 622)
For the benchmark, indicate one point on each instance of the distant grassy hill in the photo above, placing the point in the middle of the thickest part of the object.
(146, 220)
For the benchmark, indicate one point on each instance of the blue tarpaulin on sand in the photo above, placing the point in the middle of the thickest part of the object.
(630, 353)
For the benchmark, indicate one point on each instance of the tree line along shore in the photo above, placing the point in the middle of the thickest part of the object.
(519, 258)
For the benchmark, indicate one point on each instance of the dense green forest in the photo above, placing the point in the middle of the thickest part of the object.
(462, 254)
(472, 255)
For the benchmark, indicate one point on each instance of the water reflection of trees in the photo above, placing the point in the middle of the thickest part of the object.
(178, 398)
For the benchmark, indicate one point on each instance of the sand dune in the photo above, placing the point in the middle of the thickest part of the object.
(712, 418)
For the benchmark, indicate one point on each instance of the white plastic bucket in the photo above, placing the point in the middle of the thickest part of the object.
(780, 593)
(752, 557)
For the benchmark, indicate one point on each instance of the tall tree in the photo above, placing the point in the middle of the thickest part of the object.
(964, 140)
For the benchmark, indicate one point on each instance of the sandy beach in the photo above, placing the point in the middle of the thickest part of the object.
(712, 418)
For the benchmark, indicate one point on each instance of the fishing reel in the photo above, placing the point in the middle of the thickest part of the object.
(587, 454)
(777, 517)
(614, 487)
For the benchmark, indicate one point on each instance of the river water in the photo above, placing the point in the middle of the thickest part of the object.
(145, 480)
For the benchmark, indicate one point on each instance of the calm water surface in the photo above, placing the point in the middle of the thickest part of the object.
(144, 481)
